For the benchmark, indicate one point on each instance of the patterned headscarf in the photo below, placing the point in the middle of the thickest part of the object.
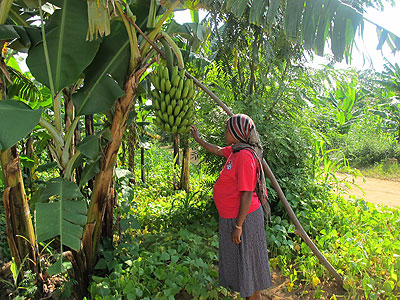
(243, 129)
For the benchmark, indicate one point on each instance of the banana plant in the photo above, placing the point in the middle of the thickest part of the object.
(20, 232)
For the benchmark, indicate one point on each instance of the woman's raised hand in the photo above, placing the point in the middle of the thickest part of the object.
(195, 132)
(209, 147)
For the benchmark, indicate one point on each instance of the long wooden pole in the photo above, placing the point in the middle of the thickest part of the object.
(299, 228)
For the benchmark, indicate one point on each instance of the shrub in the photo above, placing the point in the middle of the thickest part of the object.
(366, 144)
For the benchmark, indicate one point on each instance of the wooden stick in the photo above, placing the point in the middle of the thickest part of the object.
(299, 228)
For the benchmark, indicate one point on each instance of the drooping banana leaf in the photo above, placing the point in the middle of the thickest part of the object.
(63, 214)
(293, 18)
(311, 22)
(11, 128)
(272, 11)
(105, 76)
(257, 11)
(8, 33)
(90, 146)
(236, 7)
(312, 12)
(28, 37)
(69, 52)
(89, 171)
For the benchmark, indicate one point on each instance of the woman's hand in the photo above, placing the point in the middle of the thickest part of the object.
(195, 132)
(236, 235)
(209, 147)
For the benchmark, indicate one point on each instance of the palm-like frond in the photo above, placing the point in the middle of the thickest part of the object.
(308, 22)
(22, 87)
(391, 77)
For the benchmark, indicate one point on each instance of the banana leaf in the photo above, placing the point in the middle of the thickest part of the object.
(11, 130)
(69, 52)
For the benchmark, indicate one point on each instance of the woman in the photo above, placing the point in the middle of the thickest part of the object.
(243, 256)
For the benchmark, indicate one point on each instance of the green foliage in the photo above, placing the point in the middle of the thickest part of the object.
(68, 51)
(357, 238)
(389, 169)
(10, 130)
(303, 24)
(4, 249)
(66, 211)
(19, 290)
(161, 265)
(159, 206)
(367, 144)
(21, 87)
(176, 250)
(172, 255)
(101, 90)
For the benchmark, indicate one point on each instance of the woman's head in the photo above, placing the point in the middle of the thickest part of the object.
(239, 129)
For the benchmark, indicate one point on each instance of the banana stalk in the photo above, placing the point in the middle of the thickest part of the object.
(57, 137)
(68, 140)
(133, 42)
(146, 46)
(175, 48)
(5, 7)
(69, 167)
(168, 53)
(46, 52)
(151, 19)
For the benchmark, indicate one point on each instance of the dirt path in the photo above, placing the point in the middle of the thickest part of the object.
(376, 191)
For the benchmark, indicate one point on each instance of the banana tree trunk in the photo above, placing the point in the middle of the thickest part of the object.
(185, 175)
(89, 130)
(176, 161)
(142, 162)
(102, 200)
(131, 156)
(19, 227)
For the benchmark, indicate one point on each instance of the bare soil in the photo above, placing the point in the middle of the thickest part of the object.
(279, 290)
(378, 191)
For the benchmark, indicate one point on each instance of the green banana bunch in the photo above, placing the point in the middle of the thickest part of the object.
(172, 99)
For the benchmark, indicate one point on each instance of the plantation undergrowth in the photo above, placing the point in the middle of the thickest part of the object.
(174, 254)
(166, 243)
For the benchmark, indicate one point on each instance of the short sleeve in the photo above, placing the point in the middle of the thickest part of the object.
(246, 171)
(226, 151)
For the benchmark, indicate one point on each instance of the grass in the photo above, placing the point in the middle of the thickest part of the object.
(387, 170)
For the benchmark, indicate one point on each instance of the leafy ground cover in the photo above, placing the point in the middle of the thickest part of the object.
(167, 244)
(174, 254)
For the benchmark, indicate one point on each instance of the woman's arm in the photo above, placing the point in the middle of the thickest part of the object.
(209, 147)
(245, 203)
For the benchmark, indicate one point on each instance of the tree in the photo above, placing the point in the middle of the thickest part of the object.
(389, 110)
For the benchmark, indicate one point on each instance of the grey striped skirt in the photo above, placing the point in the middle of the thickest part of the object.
(244, 268)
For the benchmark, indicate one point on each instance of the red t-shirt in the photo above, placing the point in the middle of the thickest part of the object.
(239, 174)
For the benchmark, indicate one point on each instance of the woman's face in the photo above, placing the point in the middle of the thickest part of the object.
(229, 139)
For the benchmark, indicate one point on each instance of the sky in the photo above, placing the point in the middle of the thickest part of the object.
(365, 56)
